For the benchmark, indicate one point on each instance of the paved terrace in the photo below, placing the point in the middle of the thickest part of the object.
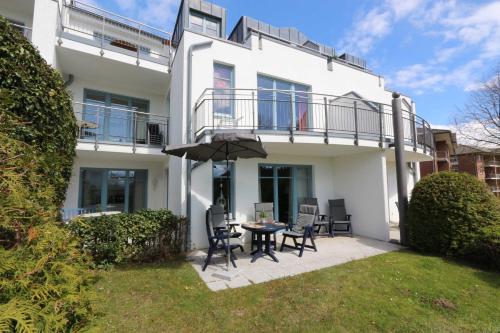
(331, 252)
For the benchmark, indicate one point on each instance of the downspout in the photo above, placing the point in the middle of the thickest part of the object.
(192, 48)
(70, 80)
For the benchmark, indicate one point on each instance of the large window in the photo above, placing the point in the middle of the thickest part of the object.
(112, 118)
(282, 104)
(223, 95)
(113, 190)
(223, 184)
(205, 24)
(285, 186)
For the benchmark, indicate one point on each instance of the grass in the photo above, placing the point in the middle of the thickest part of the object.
(395, 292)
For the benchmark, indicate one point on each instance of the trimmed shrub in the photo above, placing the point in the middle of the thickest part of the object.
(44, 278)
(45, 286)
(454, 214)
(33, 92)
(147, 235)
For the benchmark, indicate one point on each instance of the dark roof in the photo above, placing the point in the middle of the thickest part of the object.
(464, 149)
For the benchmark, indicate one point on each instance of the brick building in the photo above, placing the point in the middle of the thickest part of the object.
(445, 142)
(484, 163)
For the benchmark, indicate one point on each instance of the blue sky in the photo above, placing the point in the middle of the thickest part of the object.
(434, 50)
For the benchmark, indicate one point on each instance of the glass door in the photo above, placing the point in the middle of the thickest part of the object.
(282, 104)
(285, 186)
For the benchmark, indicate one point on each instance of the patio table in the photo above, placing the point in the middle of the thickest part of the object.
(266, 230)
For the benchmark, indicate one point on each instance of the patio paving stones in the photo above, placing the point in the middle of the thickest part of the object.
(331, 252)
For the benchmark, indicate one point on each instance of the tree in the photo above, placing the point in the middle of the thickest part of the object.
(479, 120)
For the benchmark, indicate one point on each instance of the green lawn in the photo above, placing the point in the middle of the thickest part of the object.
(394, 292)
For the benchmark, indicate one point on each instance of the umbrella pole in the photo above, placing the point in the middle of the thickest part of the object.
(228, 205)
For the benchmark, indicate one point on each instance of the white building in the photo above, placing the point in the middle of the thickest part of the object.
(324, 119)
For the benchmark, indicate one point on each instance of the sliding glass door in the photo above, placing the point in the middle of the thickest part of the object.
(112, 118)
(285, 186)
(282, 104)
(113, 190)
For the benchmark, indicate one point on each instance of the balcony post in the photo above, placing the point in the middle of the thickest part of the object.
(356, 136)
(381, 125)
(425, 137)
(253, 111)
(291, 119)
(134, 131)
(96, 141)
(413, 131)
(397, 119)
(326, 120)
(213, 111)
(102, 35)
(138, 47)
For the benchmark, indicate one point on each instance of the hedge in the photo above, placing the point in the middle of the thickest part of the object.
(44, 277)
(455, 215)
(33, 92)
(147, 235)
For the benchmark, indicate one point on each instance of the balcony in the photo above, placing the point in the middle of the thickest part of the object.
(24, 30)
(268, 111)
(442, 156)
(490, 175)
(491, 163)
(107, 31)
(100, 124)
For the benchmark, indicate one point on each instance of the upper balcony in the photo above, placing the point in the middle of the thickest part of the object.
(299, 113)
(491, 162)
(24, 30)
(442, 156)
(107, 32)
(119, 129)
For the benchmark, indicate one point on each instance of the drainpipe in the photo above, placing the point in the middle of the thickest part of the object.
(70, 80)
(400, 166)
(192, 48)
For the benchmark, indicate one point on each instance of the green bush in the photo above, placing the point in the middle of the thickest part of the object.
(454, 214)
(45, 286)
(44, 278)
(146, 235)
(33, 92)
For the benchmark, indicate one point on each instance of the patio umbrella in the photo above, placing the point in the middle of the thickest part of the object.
(223, 147)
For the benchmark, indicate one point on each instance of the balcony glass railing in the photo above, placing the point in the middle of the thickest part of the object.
(108, 31)
(297, 113)
(103, 124)
(25, 31)
(442, 155)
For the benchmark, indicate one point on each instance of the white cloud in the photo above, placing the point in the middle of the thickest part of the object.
(463, 27)
(369, 28)
(158, 13)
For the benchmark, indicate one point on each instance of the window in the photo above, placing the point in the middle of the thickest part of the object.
(113, 117)
(113, 190)
(222, 186)
(282, 104)
(285, 186)
(223, 94)
(204, 24)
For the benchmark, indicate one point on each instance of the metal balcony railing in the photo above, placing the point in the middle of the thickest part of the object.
(108, 31)
(490, 175)
(24, 30)
(304, 113)
(491, 163)
(442, 155)
(112, 125)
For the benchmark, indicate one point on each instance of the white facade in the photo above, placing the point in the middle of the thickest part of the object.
(138, 65)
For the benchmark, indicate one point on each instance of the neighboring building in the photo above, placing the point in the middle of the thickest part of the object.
(445, 143)
(324, 118)
(484, 163)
